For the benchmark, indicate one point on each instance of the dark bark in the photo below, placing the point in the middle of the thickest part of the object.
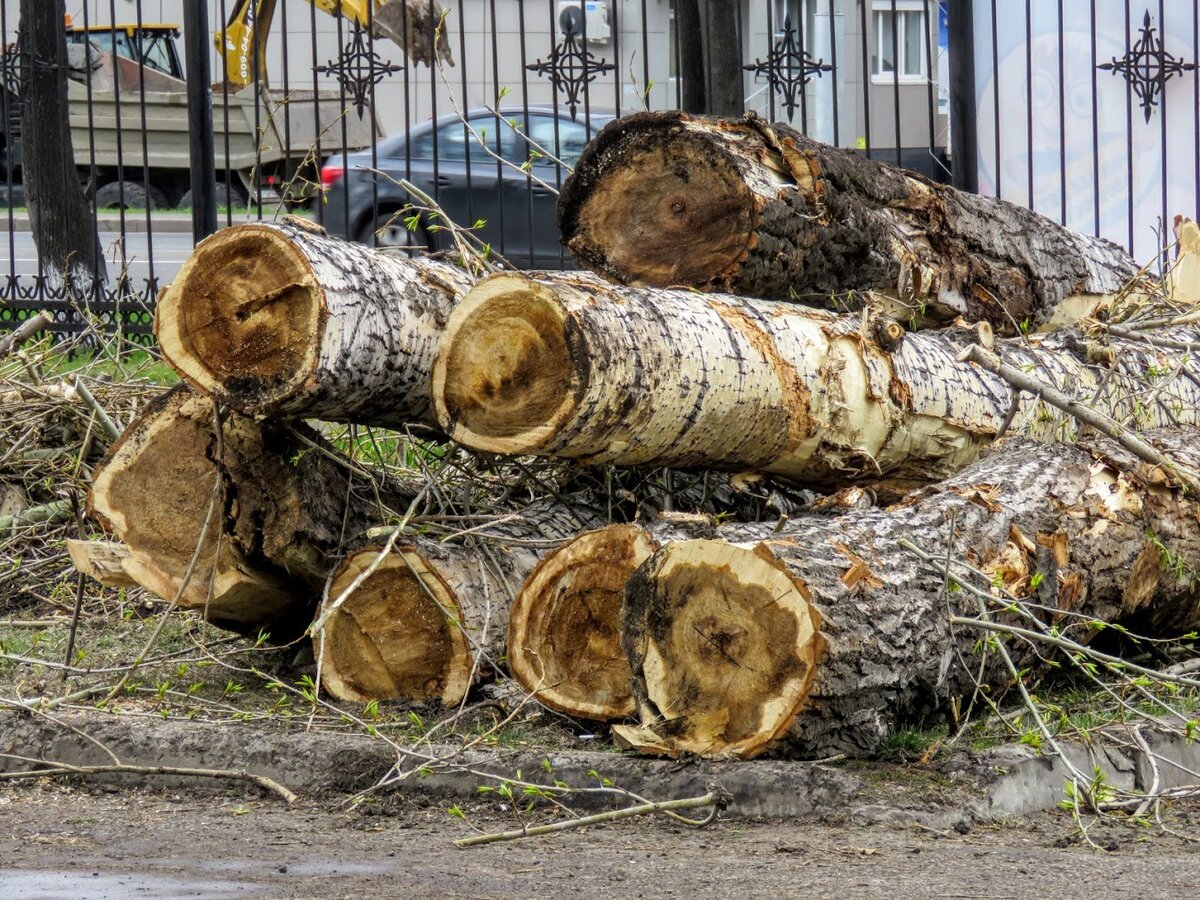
(63, 227)
(1083, 533)
(762, 211)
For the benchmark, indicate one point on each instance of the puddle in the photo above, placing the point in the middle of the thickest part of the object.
(35, 884)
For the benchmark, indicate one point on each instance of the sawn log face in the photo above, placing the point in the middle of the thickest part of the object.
(1097, 538)
(280, 319)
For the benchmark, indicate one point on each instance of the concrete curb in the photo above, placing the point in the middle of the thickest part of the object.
(1005, 782)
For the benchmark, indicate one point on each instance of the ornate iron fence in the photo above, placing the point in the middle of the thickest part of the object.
(344, 111)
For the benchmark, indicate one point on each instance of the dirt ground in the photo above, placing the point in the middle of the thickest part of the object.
(58, 841)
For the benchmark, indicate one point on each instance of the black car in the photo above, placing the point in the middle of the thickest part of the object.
(508, 207)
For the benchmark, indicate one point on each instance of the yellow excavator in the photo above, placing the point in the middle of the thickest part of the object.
(415, 25)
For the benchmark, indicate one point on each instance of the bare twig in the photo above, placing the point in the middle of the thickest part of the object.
(712, 799)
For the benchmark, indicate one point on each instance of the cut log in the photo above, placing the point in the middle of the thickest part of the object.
(283, 320)
(564, 630)
(426, 624)
(102, 561)
(570, 366)
(758, 209)
(276, 511)
(725, 640)
(428, 619)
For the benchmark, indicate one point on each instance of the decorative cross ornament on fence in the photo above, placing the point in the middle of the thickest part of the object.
(359, 68)
(788, 68)
(1147, 66)
(571, 66)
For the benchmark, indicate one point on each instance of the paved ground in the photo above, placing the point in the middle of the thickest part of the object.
(57, 841)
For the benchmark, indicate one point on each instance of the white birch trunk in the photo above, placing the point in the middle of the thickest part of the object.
(571, 366)
(280, 319)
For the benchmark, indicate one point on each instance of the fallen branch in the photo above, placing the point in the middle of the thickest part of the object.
(714, 799)
(24, 332)
(59, 768)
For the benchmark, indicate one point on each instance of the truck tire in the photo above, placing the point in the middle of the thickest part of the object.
(227, 198)
(129, 195)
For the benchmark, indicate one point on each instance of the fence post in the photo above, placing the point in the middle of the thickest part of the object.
(964, 144)
(200, 125)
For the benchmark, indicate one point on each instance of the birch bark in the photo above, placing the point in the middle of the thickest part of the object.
(280, 319)
(568, 365)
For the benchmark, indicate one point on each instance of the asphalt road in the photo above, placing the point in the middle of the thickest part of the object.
(159, 253)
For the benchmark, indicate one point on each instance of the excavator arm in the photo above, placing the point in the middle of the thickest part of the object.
(414, 25)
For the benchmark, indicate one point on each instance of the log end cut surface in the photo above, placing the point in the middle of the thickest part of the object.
(505, 374)
(655, 205)
(242, 319)
(723, 645)
(564, 632)
(393, 638)
(155, 491)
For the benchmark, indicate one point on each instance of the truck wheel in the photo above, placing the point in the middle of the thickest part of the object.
(129, 195)
(227, 198)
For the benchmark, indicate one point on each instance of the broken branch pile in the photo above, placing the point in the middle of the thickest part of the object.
(822, 629)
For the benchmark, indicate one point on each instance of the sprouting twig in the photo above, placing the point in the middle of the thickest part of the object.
(712, 799)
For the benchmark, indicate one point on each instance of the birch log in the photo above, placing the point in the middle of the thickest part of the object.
(833, 635)
(275, 507)
(570, 366)
(758, 209)
(427, 619)
(280, 319)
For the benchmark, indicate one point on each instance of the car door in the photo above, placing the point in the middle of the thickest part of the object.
(458, 168)
(555, 144)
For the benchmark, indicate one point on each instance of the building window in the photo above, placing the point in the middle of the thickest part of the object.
(900, 35)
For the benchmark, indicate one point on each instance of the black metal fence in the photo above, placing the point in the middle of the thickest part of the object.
(347, 111)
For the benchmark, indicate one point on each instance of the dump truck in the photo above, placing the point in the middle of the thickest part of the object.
(129, 123)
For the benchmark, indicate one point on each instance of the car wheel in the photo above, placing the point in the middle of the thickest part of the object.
(388, 231)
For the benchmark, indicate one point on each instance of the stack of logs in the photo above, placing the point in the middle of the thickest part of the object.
(762, 305)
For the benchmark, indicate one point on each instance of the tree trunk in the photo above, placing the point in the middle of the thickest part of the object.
(280, 504)
(281, 319)
(62, 223)
(833, 634)
(430, 619)
(564, 629)
(759, 210)
(569, 366)
(726, 96)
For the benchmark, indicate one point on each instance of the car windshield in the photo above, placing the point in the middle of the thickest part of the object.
(550, 137)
